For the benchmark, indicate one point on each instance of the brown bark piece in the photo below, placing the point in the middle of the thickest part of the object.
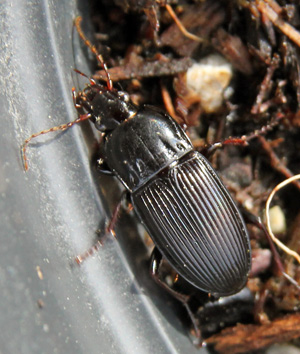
(146, 69)
(245, 338)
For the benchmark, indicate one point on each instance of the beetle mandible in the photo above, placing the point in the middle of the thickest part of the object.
(182, 203)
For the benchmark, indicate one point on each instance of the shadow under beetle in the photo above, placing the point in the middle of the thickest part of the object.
(177, 195)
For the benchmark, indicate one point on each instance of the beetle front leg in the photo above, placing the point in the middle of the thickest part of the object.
(243, 141)
(209, 150)
(156, 259)
(102, 167)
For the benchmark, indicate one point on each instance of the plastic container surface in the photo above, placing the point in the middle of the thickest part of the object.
(51, 213)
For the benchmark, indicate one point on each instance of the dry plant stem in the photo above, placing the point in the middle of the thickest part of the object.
(259, 314)
(246, 338)
(151, 14)
(265, 86)
(169, 105)
(275, 240)
(286, 28)
(274, 6)
(264, 130)
(146, 69)
(275, 161)
(180, 25)
(269, 28)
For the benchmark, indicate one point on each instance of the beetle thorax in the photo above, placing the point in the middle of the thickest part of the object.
(146, 144)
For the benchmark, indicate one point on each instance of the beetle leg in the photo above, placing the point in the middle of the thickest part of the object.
(244, 140)
(102, 167)
(109, 229)
(209, 150)
(156, 259)
(115, 215)
(255, 220)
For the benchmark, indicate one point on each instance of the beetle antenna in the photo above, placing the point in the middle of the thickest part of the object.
(93, 50)
(92, 81)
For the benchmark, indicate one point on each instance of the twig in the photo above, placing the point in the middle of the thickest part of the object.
(272, 15)
(275, 240)
(275, 161)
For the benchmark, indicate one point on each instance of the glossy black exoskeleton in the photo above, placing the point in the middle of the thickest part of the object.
(177, 195)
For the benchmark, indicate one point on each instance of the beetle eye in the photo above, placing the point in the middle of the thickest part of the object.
(124, 96)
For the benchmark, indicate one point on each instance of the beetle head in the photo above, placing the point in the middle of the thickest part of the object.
(110, 108)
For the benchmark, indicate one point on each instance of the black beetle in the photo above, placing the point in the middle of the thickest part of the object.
(177, 195)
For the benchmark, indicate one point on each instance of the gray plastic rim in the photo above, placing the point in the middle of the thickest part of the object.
(51, 213)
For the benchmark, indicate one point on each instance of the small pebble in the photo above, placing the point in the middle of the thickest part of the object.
(209, 78)
(277, 220)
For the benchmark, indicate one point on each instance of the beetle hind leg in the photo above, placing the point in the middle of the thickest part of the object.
(156, 259)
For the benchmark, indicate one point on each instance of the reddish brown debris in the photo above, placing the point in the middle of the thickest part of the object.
(265, 86)
(234, 50)
(201, 20)
(269, 10)
(144, 69)
(275, 161)
(246, 338)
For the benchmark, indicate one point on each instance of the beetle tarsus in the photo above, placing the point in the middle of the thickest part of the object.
(90, 252)
(109, 230)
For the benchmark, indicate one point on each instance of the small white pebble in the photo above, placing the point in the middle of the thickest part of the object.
(277, 220)
(248, 204)
(208, 79)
